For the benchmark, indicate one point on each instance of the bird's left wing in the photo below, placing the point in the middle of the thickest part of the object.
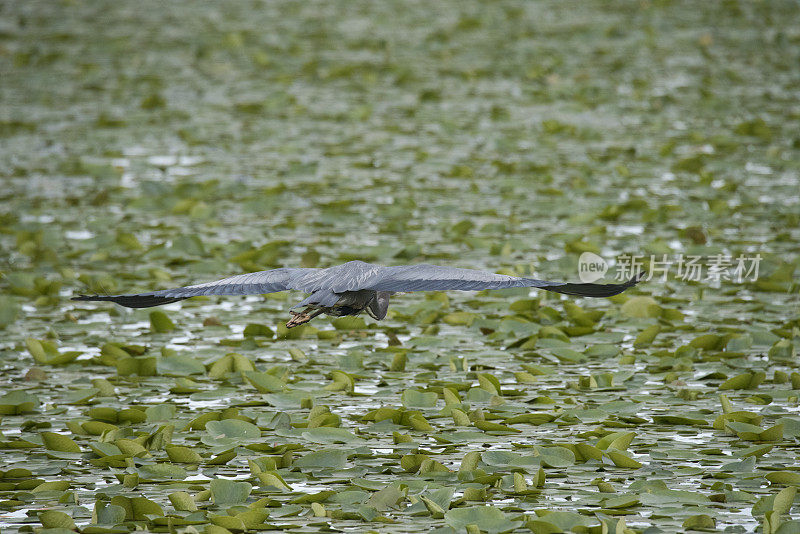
(243, 284)
(426, 277)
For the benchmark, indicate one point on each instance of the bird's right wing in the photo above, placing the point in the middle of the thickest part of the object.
(244, 284)
(426, 277)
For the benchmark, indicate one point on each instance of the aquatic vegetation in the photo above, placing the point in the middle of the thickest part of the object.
(163, 146)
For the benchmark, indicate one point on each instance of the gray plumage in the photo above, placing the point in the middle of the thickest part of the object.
(356, 286)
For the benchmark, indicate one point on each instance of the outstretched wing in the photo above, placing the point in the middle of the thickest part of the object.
(354, 276)
(426, 277)
(243, 284)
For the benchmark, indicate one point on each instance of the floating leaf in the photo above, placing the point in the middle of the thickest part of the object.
(459, 318)
(743, 381)
(398, 362)
(161, 471)
(784, 499)
(386, 498)
(55, 485)
(349, 323)
(107, 514)
(550, 522)
(486, 518)
(56, 519)
(308, 498)
(330, 435)
(46, 353)
(137, 508)
(59, 442)
(641, 307)
(489, 383)
(18, 402)
(622, 460)
(254, 330)
(180, 365)
(136, 366)
(787, 478)
(183, 455)
(8, 311)
(700, 522)
(341, 382)
(602, 351)
(230, 363)
(555, 456)
(233, 428)
(413, 398)
(328, 458)
(182, 501)
(621, 501)
(646, 336)
(160, 322)
(491, 426)
(274, 480)
(160, 412)
(264, 382)
(228, 492)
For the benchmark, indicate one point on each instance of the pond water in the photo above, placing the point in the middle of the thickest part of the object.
(154, 145)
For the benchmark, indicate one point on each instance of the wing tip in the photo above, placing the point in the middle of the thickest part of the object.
(130, 301)
(635, 279)
(616, 289)
(597, 290)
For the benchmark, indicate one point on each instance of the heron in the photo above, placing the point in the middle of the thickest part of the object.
(355, 287)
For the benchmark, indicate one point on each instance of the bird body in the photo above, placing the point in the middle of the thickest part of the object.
(355, 287)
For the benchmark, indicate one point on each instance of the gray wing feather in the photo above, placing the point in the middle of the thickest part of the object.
(354, 276)
(243, 284)
(426, 277)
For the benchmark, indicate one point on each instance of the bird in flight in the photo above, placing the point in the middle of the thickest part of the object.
(355, 287)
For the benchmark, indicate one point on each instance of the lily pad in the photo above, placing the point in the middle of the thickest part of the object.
(486, 518)
(229, 492)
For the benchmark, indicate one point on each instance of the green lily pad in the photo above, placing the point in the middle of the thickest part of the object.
(264, 382)
(413, 398)
(162, 471)
(486, 518)
(323, 459)
(18, 402)
(59, 442)
(641, 307)
(229, 492)
(180, 365)
(233, 428)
